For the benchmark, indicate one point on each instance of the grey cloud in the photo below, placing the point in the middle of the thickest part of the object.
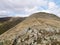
(22, 6)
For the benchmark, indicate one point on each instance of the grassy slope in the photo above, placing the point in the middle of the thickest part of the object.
(7, 24)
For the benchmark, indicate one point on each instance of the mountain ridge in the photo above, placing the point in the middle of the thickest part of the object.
(48, 29)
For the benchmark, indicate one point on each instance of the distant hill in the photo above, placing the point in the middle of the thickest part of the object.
(38, 29)
(4, 19)
(8, 22)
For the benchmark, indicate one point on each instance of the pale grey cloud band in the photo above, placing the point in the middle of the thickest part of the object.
(27, 7)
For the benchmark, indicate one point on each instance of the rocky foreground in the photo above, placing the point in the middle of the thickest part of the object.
(36, 36)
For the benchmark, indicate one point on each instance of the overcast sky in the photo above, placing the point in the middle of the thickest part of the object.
(27, 7)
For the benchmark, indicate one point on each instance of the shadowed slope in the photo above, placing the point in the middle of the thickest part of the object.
(8, 22)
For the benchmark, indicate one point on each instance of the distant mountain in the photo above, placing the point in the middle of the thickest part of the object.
(8, 22)
(4, 19)
(38, 29)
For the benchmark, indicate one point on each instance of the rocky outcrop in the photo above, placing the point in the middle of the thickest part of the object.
(36, 36)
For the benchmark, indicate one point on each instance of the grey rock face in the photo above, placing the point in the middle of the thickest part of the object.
(33, 36)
